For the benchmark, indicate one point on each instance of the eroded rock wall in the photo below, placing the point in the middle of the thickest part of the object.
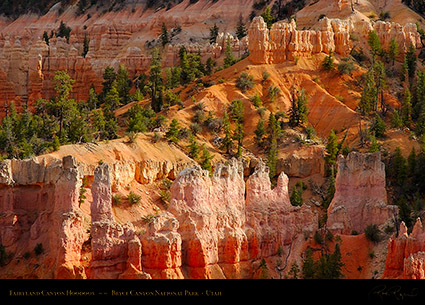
(285, 42)
(360, 196)
(406, 254)
(39, 205)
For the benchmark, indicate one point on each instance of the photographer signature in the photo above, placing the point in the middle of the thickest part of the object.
(395, 292)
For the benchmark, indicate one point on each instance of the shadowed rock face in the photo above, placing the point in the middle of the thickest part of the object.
(360, 196)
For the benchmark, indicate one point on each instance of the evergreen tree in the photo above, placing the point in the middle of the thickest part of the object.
(229, 59)
(209, 66)
(240, 28)
(46, 38)
(369, 94)
(260, 131)
(378, 126)
(63, 87)
(86, 43)
(227, 143)
(93, 101)
(298, 111)
(396, 121)
(410, 61)
(98, 122)
(173, 131)
(64, 31)
(237, 112)
(308, 267)
(109, 76)
(331, 151)
(112, 98)
(213, 34)
(328, 62)
(136, 119)
(193, 147)
(374, 44)
(123, 84)
(164, 35)
(393, 51)
(406, 111)
(268, 18)
(274, 131)
(206, 158)
(156, 83)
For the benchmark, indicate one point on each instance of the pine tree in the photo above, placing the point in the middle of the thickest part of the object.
(273, 130)
(268, 19)
(410, 61)
(378, 126)
(213, 34)
(328, 62)
(368, 99)
(237, 111)
(331, 151)
(240, 28)
(156, 83)
(164, 35)
(109, 76)
(229, 59)
(374, 44)
(299, 110)
(173, 131)
(46, 38)
(260, 131)
(406, 111)
(206, 158)
(227, 143)
(193, 147)
(86, 43)
(308, 267)
(393, 50)
(123, 84)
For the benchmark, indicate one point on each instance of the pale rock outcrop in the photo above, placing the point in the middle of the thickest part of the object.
(116, 249)
(360, 196)
(224, 225)
(271, 220)
(39, 205)
(406, 254)
(210, 211)
(162, 249)
(284, 42)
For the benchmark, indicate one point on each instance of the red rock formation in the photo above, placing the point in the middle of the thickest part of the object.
(406, 254)
(116, 249)
(360, 196)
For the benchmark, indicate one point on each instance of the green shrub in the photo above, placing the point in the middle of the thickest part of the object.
(245, 82)
(116, 199)
(134, 198)
(38, 249)
(373, 233)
